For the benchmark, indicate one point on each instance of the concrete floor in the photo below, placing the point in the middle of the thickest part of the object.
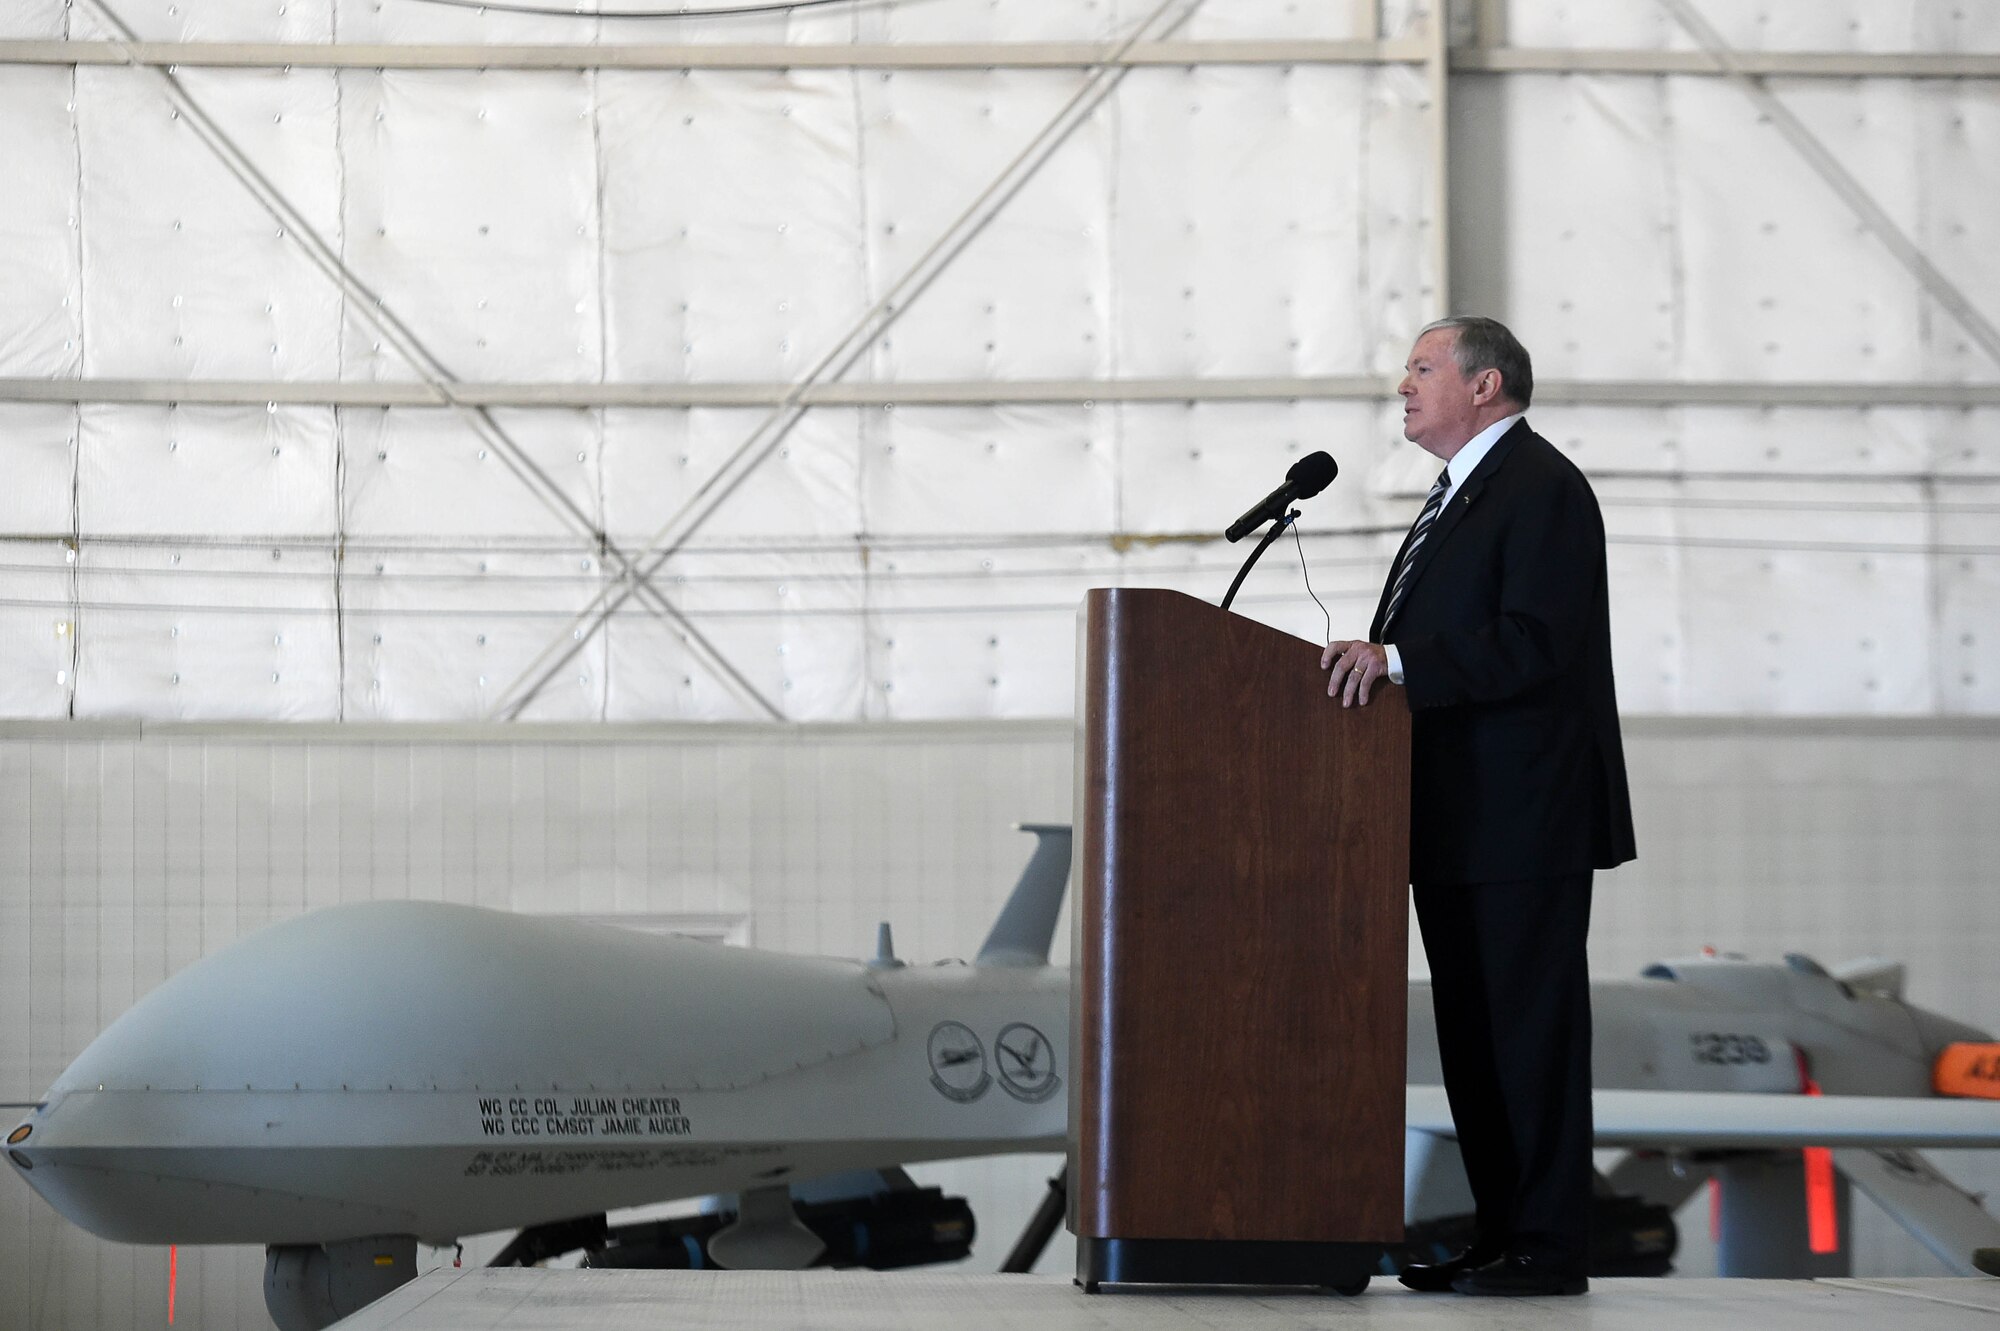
(483, 1299)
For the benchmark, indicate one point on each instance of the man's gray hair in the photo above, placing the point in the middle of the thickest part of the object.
(1485, 344)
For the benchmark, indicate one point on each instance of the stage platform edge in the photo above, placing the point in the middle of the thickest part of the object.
(479, 1299)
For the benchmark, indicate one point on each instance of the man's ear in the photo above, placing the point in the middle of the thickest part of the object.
(1485, 387)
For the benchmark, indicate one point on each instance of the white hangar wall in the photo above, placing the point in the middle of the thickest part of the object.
(128, 852)
(238, 492)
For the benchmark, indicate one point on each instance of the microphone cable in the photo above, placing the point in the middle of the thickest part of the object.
(1309, 580)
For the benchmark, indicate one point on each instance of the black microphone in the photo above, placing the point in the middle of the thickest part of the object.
(1308, 476)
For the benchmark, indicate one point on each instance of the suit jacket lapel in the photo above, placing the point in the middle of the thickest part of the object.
(1447, 521)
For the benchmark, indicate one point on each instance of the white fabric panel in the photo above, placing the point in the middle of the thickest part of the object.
(1965, 445)
(934, 661)
(997, 21)
(1807, 25)
(732, 234)
(184, 273)
(1584, 23)
(236, 631)
(1801, 630)
(33, 20)
(189, 21)
(1566, 221)
(1401, 209)
(194, 633)
(471, 208)
(1768, 445)
(1036, 21)
(1771, 25)
(1803, 442)
(1968, 603)
(789, 623)
(37, 629)
(38, 441)
(1625, 441)
(201, 472)
(656, 462)
(991, 471)
(1256, 20)
(1648, 639)
(1195, 467)
(1958, 140)
(1252, 265)
(1027, 298)
(1954, 26)
(411, 23)
(41, 329)
(421, 472)
(1762, 234)
(445, 634)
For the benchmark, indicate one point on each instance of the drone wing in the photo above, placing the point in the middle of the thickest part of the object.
(1725, 1120)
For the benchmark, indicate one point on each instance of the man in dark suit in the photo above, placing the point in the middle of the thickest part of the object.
(1496, 620)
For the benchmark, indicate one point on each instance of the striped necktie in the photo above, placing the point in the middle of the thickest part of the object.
(1433, 505)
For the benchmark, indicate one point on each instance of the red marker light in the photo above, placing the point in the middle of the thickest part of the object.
(173, 1278)
(1822, 1206)
(1822, 1210)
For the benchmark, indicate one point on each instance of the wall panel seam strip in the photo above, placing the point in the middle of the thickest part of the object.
(997, 55)
(971, 392)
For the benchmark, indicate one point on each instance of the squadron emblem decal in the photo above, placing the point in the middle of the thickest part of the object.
(1027, 1063)
(958, 1062)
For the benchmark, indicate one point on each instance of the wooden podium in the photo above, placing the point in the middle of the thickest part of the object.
(1240, 973)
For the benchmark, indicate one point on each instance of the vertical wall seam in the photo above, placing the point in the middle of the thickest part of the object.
(1437, 80)
(1115, 135)
(602, 522)
(862, 416)
(1936, 562)
(1676, 246)
(340, 373)
(76, 415)
(1364, 286)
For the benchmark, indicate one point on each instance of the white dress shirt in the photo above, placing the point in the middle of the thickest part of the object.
(1461, 466)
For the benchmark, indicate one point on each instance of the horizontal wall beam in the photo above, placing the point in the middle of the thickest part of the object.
(1775, 64)
(973, 392)
(1059, 730)
(766, 55)
(989, 55)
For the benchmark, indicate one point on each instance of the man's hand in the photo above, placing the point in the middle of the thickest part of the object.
(1355, 666)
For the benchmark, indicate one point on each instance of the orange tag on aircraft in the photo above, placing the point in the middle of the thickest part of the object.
(1968, 1069)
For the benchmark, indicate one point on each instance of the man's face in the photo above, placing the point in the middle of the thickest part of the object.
(1441, 407)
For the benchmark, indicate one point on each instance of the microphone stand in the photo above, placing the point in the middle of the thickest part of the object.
(1277, 530)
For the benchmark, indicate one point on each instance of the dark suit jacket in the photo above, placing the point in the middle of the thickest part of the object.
(1516, 766)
